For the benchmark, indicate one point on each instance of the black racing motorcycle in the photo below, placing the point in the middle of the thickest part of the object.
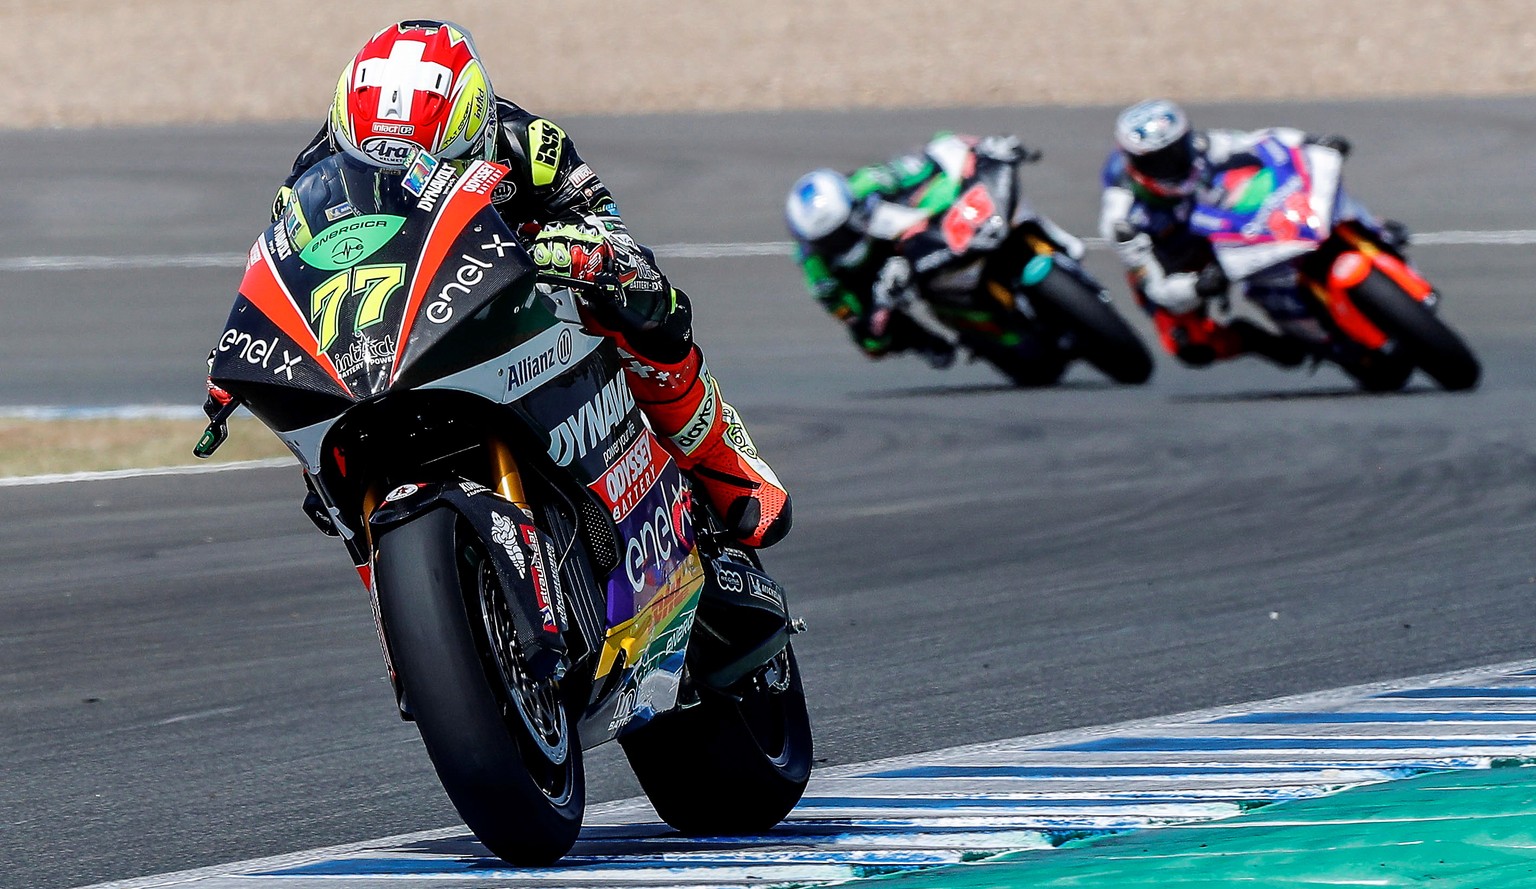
(1004, 277)
(542, 580)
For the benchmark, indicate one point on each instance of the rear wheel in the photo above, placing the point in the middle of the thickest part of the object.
(736, 762)
(1101, 336)
(502, 743)
(1420, 334)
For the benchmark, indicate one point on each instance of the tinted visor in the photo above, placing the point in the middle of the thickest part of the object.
(1170, 164)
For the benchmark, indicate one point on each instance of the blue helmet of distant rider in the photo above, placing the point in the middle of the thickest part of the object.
(819, 212)
(1161, 157)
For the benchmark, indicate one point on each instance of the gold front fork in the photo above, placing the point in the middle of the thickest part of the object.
(509, 479)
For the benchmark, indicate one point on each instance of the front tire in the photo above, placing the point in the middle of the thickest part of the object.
(1103, 338)
(1420, 334)
(734, 763)
(503, 745)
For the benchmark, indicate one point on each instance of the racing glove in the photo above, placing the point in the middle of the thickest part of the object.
(577, 253)
(1007, 149)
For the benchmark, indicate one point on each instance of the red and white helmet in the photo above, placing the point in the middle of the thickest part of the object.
(415, 84)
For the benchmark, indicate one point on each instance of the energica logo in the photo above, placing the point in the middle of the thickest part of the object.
(348, 243)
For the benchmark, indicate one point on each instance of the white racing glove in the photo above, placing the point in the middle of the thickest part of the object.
(1070, 243)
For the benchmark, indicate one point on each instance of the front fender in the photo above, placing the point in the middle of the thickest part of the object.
(523, 558)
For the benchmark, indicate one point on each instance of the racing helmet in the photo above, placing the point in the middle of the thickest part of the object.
(819, 205)
(1159, 147)
(416, 84)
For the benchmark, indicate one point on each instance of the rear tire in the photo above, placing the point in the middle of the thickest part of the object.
(525, 807)
(1103, 338)
(1420, 334)
(731, 764)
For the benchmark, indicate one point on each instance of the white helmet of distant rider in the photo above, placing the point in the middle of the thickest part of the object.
(819, 207)
(1159, 148)
(416, 84)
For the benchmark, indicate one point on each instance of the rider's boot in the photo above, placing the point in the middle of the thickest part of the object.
(1282, 350)
(707, 438)
(674, 389)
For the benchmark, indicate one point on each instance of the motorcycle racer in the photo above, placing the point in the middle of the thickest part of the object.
(418, 89)
(1150, 183)
(852, 258)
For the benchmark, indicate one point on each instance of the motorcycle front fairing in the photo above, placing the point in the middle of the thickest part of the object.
(361, 288)
(1268, 208)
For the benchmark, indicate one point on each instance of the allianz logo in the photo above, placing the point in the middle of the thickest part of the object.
(530, 367)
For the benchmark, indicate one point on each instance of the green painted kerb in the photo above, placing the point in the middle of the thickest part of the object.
(1471, 829)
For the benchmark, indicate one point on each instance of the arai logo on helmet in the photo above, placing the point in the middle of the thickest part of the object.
(390, 152)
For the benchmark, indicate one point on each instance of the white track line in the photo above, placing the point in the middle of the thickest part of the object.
(61, 478)
(102, 412)
(927, 809)
(1513, 237)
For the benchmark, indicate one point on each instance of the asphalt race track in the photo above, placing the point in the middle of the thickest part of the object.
(189, 675)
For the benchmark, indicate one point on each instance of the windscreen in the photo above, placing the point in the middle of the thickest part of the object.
(368, 271)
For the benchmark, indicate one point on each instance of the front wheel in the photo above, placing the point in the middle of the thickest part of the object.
(1420, 334)
(734, 763)
(1102, 337)
(502, 743)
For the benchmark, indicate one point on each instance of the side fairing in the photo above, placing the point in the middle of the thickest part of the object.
(269, 355)
(253, 349)
(598, 435)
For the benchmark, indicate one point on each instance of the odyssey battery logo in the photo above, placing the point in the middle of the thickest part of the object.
(631, 477)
